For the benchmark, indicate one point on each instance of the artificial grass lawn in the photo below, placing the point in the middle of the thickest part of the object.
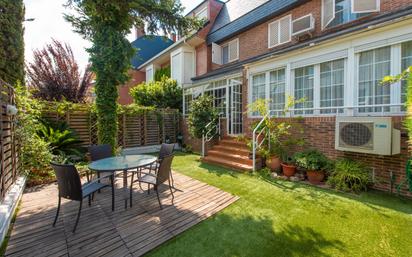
(280, 218)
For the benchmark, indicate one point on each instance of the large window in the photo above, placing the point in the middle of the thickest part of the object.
(332, 86)
(258, 88)
(187, 98)
(406, 62)
(304, 82)
(373, 66)
(217, 90)
(277, 91)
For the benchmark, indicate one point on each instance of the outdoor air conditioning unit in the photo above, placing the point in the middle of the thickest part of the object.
(303, 25)
(373, 135)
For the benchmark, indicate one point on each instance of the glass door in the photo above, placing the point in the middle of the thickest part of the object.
(235, 107)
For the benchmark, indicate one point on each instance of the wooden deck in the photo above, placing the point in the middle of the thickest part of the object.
(101, 232)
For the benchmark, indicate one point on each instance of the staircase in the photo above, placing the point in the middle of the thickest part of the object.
(230, 153)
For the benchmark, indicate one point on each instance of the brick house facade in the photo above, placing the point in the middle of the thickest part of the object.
(241, 59)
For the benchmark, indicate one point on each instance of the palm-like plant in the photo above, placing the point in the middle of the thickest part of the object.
(62, 140)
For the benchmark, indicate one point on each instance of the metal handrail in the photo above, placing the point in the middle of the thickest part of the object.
(256, 145)
(206, 137)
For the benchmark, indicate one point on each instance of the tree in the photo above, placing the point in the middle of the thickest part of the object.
(11, 41)
(106, 24)
(55, 75)
(160, 94)
(201, 113)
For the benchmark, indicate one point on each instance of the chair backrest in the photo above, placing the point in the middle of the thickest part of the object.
(68, 180)
(165, 150)
(164, 170)
(98, 152)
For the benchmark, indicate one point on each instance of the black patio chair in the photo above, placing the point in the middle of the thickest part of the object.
(70, 187)
(98, 152)
(160, 174)
(165, 150)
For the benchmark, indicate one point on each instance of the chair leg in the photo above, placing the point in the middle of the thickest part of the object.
(171, 191)
(131, 190)
(173, 181)
(139, 175)
(78, 216)
(148, 189)
(98, 176)
(57, 212)
(90, 200)
(112, 185)
(158, 197)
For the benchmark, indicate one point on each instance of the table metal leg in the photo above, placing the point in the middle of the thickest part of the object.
(125, 188)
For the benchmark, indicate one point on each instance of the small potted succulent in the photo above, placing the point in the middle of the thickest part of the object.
(314, 162)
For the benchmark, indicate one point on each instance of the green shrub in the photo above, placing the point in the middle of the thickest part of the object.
(312, 160)
(160, 73)
(350, 175)
(62, 140)
(160, 94)
(201, 113)
(35, 152)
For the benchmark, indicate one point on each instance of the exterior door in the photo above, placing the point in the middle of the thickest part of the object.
(235, 108)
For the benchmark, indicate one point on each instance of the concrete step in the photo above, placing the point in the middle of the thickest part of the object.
(231, 156)
(227, 164)
(230, 149)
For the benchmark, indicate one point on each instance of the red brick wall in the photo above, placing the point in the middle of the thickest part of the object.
(320, 134)
(254, 41)
(136, 77)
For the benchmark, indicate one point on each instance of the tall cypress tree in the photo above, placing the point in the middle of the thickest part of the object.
(106, 24)
(11, 41)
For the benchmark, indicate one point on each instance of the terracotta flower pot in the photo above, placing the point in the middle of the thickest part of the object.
(288, 170)
(273, 163)
(315, 177)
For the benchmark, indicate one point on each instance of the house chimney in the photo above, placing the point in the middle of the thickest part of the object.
(140, 31)
(173, 37)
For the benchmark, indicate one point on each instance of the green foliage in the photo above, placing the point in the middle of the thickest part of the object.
(35, 152)
(106, 24)
(350, 175)
(284, 136)
(201, 113)
(11, 41)
(160, 94)
(63, 141)
(163, 72)
(312, 160)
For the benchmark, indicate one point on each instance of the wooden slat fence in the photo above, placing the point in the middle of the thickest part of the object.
(9, 152)
(143, 129)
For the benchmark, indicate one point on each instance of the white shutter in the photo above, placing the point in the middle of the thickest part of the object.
(176, 68)
(328, 12)
(365, 6)
(284, 29)
(216, 54)
(273, 39)
(233, 50)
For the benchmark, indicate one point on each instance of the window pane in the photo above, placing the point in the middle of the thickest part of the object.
(373, 66)
(277, 92)
(258, 88)
(331, 86)
(225, 54)
(343, 13)
(406, 62)
(304, 89)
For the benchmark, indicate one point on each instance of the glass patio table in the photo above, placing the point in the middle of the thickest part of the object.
(123, 163)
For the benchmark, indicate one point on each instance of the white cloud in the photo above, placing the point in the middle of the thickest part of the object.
(49, 23)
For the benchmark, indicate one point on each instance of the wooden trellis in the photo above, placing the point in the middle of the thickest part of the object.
(10, 162)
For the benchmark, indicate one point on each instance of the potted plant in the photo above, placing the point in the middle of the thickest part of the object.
(314, 162)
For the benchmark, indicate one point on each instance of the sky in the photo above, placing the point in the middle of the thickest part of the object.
(49, 23)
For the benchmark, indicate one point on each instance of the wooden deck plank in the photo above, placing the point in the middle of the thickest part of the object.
(101, 232)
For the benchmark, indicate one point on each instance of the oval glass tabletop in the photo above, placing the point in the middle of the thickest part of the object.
(122, 162)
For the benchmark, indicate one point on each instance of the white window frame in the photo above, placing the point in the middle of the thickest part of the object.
(228, 44)
(202, 10)
(278, 21)
(323, 11)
